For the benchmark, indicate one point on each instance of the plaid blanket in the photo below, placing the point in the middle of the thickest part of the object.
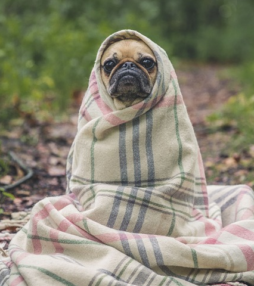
(138, 210)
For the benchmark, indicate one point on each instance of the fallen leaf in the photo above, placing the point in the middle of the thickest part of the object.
(222, 167)
(237, 157)
(240, 173)
(17, 201)
(209, 164)
(22, 193)
(54, 148)
(230, 162)
(53, 182)
(6, 180)
(54, 160)
(56, 171)
(62, 131)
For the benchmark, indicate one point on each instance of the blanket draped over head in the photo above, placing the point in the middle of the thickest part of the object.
(138, 210)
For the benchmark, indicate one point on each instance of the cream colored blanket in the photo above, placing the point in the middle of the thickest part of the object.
(138, 211)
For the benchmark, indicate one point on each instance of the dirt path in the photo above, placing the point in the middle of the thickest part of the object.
(44, 148)
(205, 89)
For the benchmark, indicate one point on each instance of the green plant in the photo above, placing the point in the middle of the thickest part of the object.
(5, 194)
(4, 168)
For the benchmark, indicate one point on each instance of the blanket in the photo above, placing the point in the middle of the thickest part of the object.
(138, 210)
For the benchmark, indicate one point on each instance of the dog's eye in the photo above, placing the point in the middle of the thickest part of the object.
(108, 66)
(147, 63)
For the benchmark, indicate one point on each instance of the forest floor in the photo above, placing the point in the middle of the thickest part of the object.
(43, 147)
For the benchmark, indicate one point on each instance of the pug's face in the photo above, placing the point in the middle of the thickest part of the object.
(128, 70)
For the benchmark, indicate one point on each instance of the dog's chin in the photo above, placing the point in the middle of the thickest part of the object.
(127, 94)
(129, 86)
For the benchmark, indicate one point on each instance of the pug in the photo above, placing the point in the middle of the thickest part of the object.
(128, 71)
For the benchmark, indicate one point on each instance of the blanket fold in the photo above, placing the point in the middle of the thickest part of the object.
(138, 210)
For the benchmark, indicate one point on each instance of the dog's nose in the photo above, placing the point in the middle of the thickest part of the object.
(128, 65)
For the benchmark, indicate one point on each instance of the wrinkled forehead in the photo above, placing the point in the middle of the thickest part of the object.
(127, 48)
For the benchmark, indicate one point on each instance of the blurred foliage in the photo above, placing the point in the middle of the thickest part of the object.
(47, 48)
(237, 114)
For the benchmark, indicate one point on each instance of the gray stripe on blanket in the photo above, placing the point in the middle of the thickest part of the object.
(115, 209)
(142, 251)
(129, 209)
(122, 154)
(126, 245)
(159, 257)
(4, 274)
(142, 277)
(136, 155)
(149, 147)
(142, 211)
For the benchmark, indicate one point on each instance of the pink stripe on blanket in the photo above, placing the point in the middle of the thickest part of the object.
(71, 221)
(102, 106)
(209, 226)
(20, 254)
(8, 263)
(232, 229)
(86, 114)
(248, 214)
(62, 202)
(54, 236)
(240, 232)
(17, 281)
(249, 255)
(64, 225)
(41, 215)
(93, 88)
(210, 240)
(108, 237)
(93, 82)
(21, 257)
(164, 102)
(145, 105)
(169, 101)
(113, 120)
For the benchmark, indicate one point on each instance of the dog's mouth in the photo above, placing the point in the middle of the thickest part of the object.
(129, 83)
(128, 80)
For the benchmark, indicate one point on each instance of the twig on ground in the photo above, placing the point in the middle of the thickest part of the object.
(28, 171)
